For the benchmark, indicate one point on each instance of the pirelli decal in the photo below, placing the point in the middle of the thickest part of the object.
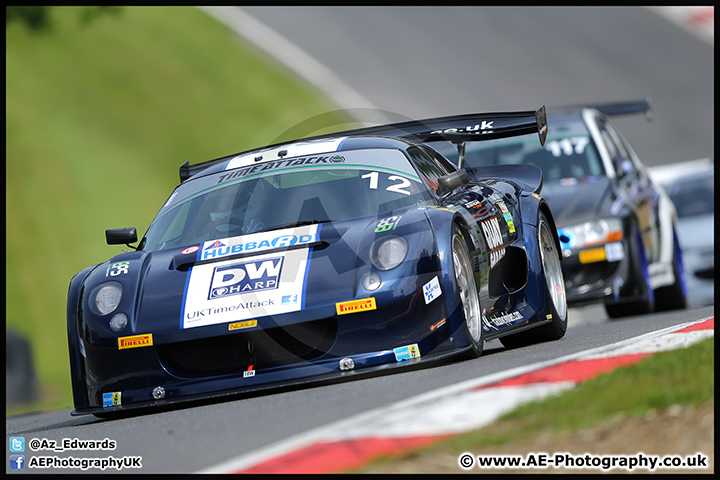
(135, 341)
(354, 306)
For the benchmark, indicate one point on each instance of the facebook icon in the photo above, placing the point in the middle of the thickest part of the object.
(17, 462)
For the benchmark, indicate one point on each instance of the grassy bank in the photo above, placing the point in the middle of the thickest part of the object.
(99, 117)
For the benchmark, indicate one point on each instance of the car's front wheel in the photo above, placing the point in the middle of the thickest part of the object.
(673, 297)
(555, 299)
(645, 302)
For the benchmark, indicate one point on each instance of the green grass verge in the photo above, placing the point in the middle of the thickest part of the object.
(99, 117)
(683, 377)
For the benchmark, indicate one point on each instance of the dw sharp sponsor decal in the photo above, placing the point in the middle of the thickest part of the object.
(135, 341)
(240, 291)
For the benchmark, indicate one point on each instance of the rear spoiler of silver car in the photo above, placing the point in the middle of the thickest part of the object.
(615, 109)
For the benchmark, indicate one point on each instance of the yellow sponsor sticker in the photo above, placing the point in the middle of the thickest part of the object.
(135, 341)
(239, 325)
(354, 306)
(593, 255)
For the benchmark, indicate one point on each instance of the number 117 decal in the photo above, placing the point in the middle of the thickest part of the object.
(400, 186)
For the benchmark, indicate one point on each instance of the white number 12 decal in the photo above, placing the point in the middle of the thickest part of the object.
(402, 183)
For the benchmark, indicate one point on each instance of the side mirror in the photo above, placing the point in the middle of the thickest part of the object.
(451, 181)
(121, 236)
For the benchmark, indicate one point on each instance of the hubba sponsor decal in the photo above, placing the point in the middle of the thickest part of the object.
(259, 242)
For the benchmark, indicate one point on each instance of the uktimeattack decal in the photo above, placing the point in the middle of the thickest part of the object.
(236, 291)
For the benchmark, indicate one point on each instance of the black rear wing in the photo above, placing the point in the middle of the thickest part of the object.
(461, 128)
(457, 129)
(615, 109)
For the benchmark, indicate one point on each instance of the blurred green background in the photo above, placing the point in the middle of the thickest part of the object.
(103, 104)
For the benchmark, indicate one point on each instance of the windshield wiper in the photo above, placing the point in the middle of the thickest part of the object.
(293, 224)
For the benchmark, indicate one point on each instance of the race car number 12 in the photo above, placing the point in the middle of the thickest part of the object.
(396, 187)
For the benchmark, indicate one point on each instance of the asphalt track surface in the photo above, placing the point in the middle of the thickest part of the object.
(420, 62)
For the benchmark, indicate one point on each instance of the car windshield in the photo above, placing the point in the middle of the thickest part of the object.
(286, 193)
(693, 195)
(569, 155)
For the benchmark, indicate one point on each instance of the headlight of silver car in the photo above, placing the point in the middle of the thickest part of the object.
(105, 298)
(587, 234)
(388, 252)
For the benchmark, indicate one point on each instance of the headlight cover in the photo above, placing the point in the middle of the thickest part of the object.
(105, 298)
(591, 233)
(388, 252)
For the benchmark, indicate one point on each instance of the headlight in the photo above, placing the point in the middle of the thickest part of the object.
(591, 233)
(388, 252)
(118, 322)
(105, 298)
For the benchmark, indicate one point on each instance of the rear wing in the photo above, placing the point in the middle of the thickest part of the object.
(461, 128)
(457, 129)
(615, 109)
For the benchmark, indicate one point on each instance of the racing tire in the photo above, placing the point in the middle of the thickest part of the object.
(673, 297)
(646, 304)
(467, 289)
(555, 296)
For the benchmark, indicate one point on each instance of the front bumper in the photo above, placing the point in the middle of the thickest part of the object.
(596, 274)
(258, 359)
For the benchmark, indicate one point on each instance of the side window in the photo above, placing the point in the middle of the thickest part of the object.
(428, 168)
(444, 163)
(620, 156)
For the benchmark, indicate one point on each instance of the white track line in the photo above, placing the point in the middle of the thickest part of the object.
(700, 20)
(384, 421)
(299, 61)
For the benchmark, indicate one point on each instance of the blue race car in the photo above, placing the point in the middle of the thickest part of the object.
(322, 258)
